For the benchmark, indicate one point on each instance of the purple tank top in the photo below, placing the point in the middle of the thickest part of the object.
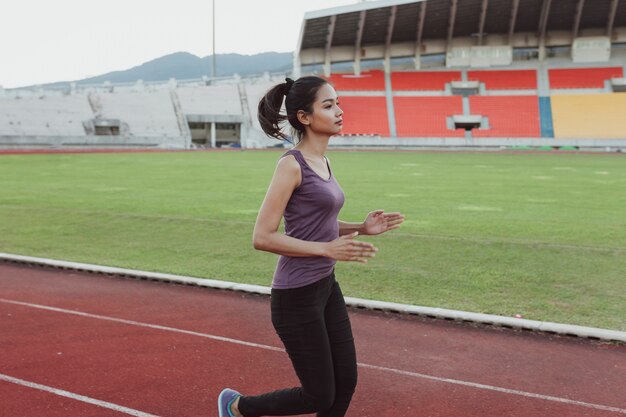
(311, 214)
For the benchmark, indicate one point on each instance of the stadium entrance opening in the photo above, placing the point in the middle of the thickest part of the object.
(226, 134)
(469, 122)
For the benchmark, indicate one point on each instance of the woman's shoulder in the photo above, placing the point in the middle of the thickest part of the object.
(288, 165)
(288, 168)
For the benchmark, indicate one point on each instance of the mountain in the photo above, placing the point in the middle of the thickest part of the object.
(183, 65)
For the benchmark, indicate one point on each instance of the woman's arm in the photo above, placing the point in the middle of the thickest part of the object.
(346, 228)
(375, 223)
(287, 178)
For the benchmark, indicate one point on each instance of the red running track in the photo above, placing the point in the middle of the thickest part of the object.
(116, 347)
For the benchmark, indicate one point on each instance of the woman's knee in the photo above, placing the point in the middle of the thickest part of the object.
(320, 401)
(340, 392)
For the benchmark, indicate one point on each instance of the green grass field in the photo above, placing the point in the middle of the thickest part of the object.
(541, 235)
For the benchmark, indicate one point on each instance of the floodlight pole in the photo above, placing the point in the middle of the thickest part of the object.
(213, 72)
(213, 75)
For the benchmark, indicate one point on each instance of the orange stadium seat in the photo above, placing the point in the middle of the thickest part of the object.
(423, 80)
(583, 77)
(506, 80)
(367, 81)
(364, 115)
(509, 116)
(426, 116)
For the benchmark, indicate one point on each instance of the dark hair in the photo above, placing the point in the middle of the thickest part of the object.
(298, 95)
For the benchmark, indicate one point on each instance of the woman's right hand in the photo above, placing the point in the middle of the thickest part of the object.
(345, 248)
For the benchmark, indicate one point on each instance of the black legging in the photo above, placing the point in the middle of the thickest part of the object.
(313, 323)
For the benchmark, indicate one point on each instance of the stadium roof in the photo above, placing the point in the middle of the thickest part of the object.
(432, 26)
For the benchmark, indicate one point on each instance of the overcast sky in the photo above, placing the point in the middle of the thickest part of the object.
(44, 41)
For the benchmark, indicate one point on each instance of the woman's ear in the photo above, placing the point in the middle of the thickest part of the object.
(303, 117)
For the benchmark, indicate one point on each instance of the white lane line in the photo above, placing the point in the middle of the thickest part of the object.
(498, 389)
(362, 365)
(140, 324)
(73, 396)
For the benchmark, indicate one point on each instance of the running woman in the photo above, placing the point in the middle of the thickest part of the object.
(308, 308)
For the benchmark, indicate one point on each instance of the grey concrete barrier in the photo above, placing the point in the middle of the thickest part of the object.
(440, 313)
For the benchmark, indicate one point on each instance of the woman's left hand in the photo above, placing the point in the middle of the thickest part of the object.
(378, 222)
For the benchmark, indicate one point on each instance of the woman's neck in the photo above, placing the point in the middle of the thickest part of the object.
(314, 145)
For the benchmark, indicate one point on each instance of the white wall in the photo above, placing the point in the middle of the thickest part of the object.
(57, 115)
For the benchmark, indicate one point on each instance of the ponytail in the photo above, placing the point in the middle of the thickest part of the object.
(269, 111)
(298, 95)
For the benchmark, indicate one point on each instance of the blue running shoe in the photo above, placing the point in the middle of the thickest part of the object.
(226, 398)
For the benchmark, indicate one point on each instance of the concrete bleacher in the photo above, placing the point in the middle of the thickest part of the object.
(574, 78)
(426, 116)
(532, 104)
(210, 100)
(147, 114)
(505, 79)
(46, 116)
(423, 80)
(254, 94)
(509, 116)
(601, 116)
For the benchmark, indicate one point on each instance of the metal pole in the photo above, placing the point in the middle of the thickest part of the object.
(213, 134)
(213, 71)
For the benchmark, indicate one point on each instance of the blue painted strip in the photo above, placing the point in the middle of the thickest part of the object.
(545, 112)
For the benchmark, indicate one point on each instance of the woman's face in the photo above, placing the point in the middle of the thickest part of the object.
(326, 117)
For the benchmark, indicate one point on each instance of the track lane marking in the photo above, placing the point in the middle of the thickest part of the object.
(74, 396)
(362, 365)
(141, 324)
(498, 389)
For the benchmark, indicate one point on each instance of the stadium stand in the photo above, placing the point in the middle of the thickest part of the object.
(46, 116)
(423, 80)
(571, 78)
(505, 80)
(426, 116)
(213, 100)
(538, 91)
(202, 106)
(364, 115)
(148, 114)
(367, 81)
(599, 116)
(254, 93)
(509, 116)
